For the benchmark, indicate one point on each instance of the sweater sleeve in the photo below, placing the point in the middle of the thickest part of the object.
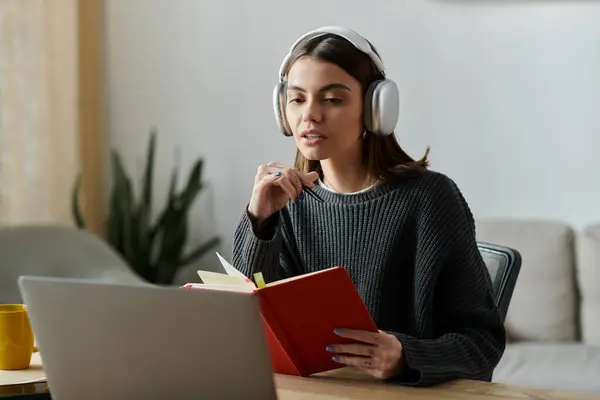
(469, 338)
(262, 248)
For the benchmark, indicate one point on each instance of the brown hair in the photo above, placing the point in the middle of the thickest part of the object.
(383, 155)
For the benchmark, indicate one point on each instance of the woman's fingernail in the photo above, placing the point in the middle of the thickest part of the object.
(329, 348)
(335, 358)
(336, 331)
(277, 173)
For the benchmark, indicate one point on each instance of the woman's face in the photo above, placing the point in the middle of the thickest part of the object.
(324, 109)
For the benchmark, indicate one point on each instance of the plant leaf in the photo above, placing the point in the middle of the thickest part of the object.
(75, 208)
(148, 173)
(142, 236)
(170, 200)
(114, 223)
(194, 185)
(141, 229)
(123, 205)
(174, 235)
(174, 176)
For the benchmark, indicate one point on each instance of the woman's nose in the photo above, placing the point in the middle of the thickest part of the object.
(312, 111)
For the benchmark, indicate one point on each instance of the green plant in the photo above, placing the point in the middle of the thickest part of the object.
(155, 251)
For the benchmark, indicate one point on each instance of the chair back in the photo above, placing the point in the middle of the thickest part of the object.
(54, 251)
(503, 264)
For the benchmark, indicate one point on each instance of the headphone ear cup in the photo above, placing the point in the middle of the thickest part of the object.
(278, 107)
(382, 107)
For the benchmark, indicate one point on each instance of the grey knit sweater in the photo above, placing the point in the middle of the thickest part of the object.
(410, 249)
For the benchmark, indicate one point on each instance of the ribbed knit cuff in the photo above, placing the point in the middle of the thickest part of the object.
(266, 229)
(411, 374)
(425, 361)
(261, 246)
(434, 361)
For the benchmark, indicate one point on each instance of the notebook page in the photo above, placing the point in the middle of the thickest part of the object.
(230, 269)
(226, 288)
(217, 278)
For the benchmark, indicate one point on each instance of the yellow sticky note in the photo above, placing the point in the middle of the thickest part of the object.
(260, 281)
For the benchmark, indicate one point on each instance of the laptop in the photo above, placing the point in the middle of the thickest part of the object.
(101, 340)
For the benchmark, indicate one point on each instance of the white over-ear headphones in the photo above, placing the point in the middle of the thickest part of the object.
(382, 99)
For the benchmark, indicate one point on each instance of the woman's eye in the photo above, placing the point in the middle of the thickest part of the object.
(332, 100)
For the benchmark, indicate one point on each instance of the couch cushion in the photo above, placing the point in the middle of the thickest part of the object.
(557, 366)
(543, 305)
(588, 275)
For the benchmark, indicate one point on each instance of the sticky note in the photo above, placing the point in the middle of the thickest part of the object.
(260, 281)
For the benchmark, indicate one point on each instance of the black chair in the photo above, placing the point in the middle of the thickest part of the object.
(503, 264)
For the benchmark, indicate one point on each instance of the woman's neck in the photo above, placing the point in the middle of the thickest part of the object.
(346, 176)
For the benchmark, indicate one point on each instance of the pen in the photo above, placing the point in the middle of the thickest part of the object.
(307, 190)
(312, 194)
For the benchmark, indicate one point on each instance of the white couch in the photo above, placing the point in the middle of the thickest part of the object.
(553, 322)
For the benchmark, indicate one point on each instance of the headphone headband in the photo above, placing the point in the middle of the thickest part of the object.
(353, 37)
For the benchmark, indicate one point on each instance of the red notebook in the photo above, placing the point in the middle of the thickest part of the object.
(299, 314)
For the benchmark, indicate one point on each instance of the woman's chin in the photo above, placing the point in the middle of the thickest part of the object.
(313, 154)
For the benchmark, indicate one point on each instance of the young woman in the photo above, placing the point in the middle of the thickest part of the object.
(404, 233)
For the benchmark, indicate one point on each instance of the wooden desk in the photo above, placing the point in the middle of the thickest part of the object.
(35, 372)
(350, 384)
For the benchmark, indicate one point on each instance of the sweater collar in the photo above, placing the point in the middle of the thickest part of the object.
(379, 189)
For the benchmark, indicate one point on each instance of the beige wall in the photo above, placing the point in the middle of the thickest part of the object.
(50, 109)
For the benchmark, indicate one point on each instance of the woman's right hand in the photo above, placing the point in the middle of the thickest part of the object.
(275, 184)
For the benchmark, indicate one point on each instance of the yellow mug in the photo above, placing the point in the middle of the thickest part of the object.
(16, 337)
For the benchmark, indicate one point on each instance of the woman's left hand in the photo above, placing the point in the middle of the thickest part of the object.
(379, 353)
